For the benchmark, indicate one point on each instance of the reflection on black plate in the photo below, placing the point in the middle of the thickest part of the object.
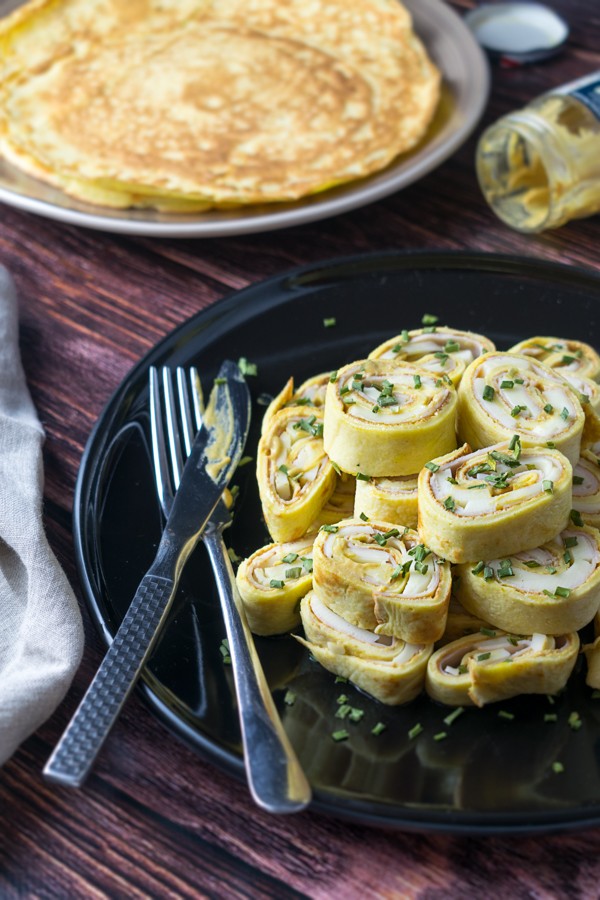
(491, 773)
(465, 90)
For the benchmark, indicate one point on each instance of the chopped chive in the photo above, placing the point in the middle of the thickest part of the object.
(574, 721)
(451, 347)
(440, 736)
(576, 517)
(233, 556)
(429, 319)
(290, 698)
(570, 541)
(507, 384)
(478, 568)
(355, 714)
(568, 557)
(343, 698)
(564, 414)
(307, 563)
(488, 392)
(548, 486)
(245, 460)
(361, 477)
(224, 651)
(290, 558)
(341, 735)
(276, 583)
(432, 466)
(550, 717)
(247, 368)
(550, 444)
(343, 710)
(364, 517)
(488, 573)
(296, 572)
(505, 569)
(333, 376)
(578, 479)
(489, 632)
(417, 381)
(557, 767)
(451, 717)
(482, 656)
(333, 529)
(449, 504)
(339, 679)
(516, 410)
(329, 323)
(283, 469)
(462, 669)
(378, 728)
(504, 714)
(548, 408)
(415, 731)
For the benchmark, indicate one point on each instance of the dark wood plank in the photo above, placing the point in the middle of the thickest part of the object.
(154, 819)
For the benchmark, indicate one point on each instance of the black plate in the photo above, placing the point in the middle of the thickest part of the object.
(492, 773)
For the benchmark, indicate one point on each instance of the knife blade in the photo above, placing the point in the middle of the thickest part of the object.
(215, 454)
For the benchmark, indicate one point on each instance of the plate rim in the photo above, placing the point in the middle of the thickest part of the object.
(343, 199)
(445, 821)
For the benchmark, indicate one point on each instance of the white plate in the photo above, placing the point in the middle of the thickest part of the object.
(466, 86)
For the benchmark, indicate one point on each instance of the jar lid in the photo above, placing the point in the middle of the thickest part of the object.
(518, 32)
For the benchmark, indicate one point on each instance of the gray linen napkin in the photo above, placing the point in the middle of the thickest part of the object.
(41, 636)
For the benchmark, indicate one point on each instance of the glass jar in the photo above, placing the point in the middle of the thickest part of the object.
(540, 166)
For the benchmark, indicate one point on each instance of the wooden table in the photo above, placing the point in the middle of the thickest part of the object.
(154, 819)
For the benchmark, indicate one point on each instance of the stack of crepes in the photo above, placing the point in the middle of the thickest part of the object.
(434, 511)
(186, 105)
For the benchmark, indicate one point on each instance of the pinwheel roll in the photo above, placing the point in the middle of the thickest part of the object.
(295, 476)
(586, 489)
(388, 669)
(503, 393)
(551, 589)
(310, 393)
(272, 582)
(382, 578)
(388, 499)
(495, 501)
(567, 357)
(438, 344)
(483, 668)
(387, 418)
(592, 655)
(588, 392)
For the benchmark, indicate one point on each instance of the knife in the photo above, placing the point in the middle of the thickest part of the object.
(212, 461)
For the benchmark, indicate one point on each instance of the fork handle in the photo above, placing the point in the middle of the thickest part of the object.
(275, 778)
(75, 753)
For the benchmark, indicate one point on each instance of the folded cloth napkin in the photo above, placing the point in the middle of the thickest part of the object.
(41, 636)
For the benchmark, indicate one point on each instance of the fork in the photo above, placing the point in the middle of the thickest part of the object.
(275, 778)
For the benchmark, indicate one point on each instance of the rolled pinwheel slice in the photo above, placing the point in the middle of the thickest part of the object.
(493, 502)
(445, 351)
(272, 581)
(382, 578)
(295, 476)
(550, 589)
(388, 499)
(586, 489)
(479, 669)
(592, 656)
(387, 418)
(566, 356)
(503, 393)
(387, 668)
(310, 393)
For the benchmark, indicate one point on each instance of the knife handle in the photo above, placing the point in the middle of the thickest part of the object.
(77, 749)
(275, 778)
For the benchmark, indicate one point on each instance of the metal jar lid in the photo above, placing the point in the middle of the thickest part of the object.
(518, 32)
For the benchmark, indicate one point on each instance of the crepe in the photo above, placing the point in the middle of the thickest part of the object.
(493, 502)
(210, 104)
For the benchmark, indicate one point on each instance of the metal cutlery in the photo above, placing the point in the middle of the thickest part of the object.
(275, 778)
